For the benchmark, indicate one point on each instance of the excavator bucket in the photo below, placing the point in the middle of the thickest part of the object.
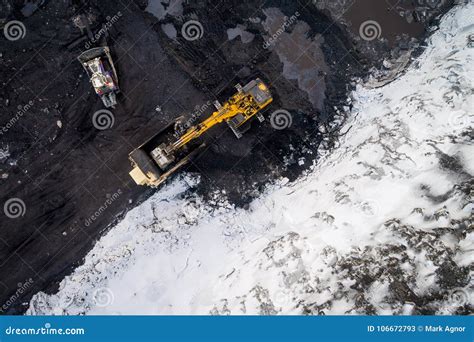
(101, 71)
(148, 169)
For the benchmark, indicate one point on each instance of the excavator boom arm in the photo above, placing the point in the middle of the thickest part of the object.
(154, 163)
(227, 112)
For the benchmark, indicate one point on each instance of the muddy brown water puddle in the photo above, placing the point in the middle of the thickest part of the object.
(68, 173)
(388, 14)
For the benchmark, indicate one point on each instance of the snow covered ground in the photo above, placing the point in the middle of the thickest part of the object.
(381, 225)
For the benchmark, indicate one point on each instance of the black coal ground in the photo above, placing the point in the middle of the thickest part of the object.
(65, 170)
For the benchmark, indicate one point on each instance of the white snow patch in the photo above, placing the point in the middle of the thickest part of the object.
(240, 30)
(344, 239)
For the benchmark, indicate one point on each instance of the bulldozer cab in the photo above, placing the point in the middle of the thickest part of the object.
(100, 68)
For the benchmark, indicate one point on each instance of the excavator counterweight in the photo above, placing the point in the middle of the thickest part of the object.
(159, 157)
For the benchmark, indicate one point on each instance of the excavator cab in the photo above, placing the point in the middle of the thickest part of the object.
(258, 91)
(164, 153)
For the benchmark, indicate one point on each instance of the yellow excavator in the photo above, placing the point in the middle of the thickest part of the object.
(164, 153)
